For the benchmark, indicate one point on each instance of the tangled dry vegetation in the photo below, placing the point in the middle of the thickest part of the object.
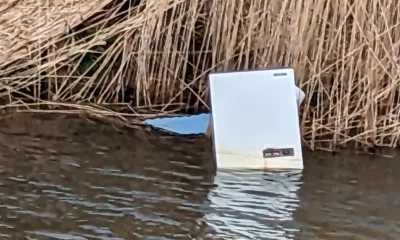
(155, 54)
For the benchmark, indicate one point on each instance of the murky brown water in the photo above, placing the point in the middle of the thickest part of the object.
(67, 178)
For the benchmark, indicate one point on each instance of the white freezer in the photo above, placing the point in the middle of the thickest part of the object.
(255, 119)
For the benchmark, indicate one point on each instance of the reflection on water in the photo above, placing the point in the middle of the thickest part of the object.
(254, 205)
(68, 178)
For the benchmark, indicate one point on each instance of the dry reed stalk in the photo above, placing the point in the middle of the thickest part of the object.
(345, 53)
(26, 23)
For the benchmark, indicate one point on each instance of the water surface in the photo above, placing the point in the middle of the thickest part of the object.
(64, 177)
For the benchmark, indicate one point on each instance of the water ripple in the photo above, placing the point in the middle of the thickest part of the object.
(108, 184)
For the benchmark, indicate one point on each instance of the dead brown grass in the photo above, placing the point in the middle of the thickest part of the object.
(345, 53)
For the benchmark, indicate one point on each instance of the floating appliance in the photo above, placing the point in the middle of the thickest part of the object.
(254, 122)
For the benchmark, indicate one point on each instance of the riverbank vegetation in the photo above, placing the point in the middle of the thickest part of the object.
(132, 57)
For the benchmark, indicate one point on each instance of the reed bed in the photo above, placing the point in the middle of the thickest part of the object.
(156, 54)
